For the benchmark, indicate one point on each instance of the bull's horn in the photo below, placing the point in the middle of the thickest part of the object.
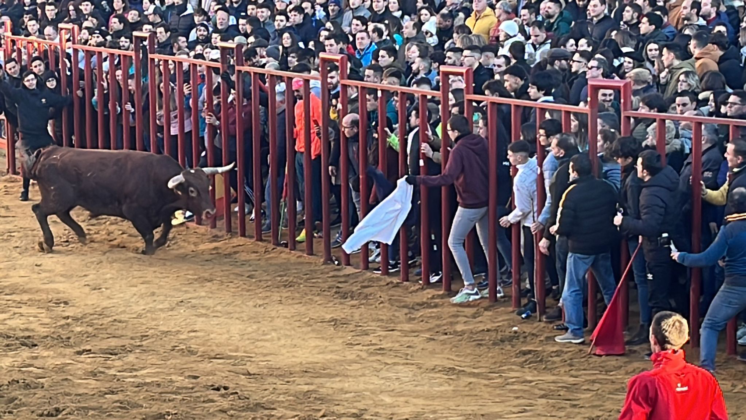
(215, 171)
(173, 182)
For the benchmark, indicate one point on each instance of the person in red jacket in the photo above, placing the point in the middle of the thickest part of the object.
(673, 389)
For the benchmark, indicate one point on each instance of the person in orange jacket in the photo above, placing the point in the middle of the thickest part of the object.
(313, 209)
(673, 389)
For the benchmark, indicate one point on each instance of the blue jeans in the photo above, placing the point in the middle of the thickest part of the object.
(575, 283)
(728, 302)
(641, 280)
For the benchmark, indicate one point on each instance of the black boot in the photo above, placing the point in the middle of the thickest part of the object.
(640, 337)
(24, 195)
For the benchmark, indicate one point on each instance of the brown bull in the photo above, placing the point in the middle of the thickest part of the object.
(144, 188)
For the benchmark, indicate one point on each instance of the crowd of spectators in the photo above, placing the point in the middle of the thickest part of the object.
(683, 57)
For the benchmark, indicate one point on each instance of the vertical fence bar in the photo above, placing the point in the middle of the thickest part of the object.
(241, 154)
(137, 60)
(309, 222)
(256, 147)
(382, 145)
(325, 177)
(445, 192)
(660, 138)
(541, 196)
(593, 153)
(181, 115)
(153, 97)
(362, 164)
(290, 180)
(126, 115)
(403, 171)
(194, 106)
(65, 88)
(696, 286)
(166, 108)
(224, 92)
(210, 133)
(344, 158)
(492, 265)
(426, 244)
(89, 124)
(274, 160)
(101, 106)
(515, 231)
(113, 102)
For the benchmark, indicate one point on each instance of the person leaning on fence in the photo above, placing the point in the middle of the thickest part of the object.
(626, 150)
(730, 300)
(586, 219)
(34, 103)
(673, 389)
(468, 170)
(526, 207)
(655, 223)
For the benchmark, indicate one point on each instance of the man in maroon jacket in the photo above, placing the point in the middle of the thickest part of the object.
(674, 389)
(468, 170)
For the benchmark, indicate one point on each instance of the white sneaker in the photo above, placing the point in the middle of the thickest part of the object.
(741, 332)
(376, 257)
(465, 295)
(499, 293)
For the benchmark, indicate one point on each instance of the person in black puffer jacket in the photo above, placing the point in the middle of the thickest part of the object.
(729, 63)
(656, 223)
(34, 104)
(585, 217)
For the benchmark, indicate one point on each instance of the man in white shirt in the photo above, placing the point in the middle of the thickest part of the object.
(525, 211)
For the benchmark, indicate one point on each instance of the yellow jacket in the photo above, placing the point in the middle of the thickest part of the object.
(716, 197)
(483, 23)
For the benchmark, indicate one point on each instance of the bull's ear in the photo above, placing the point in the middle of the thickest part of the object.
(175, 181)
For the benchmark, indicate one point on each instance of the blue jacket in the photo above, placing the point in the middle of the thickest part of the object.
(366, 56)
(730, 243)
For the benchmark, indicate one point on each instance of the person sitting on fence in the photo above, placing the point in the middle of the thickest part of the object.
(674, 389)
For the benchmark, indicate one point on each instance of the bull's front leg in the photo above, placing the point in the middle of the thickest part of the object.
(141, 222)
(41, 216)
(163, 237)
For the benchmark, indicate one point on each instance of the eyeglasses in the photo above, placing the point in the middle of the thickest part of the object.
(733, 104)
(594, 68)
(579, 61)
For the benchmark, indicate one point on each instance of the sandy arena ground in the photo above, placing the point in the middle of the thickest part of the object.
(213, 328)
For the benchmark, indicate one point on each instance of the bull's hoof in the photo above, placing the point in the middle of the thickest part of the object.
(44, 247)
(147, 251)
(83, 240)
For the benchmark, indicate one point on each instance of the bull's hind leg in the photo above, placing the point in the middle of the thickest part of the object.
(72, 224)
(41, 216)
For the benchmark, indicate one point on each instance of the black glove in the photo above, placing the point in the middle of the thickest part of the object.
(411, 180)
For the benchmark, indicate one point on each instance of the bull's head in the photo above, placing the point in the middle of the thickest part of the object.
(193, 185)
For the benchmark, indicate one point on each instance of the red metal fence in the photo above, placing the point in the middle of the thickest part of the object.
(150, 76)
